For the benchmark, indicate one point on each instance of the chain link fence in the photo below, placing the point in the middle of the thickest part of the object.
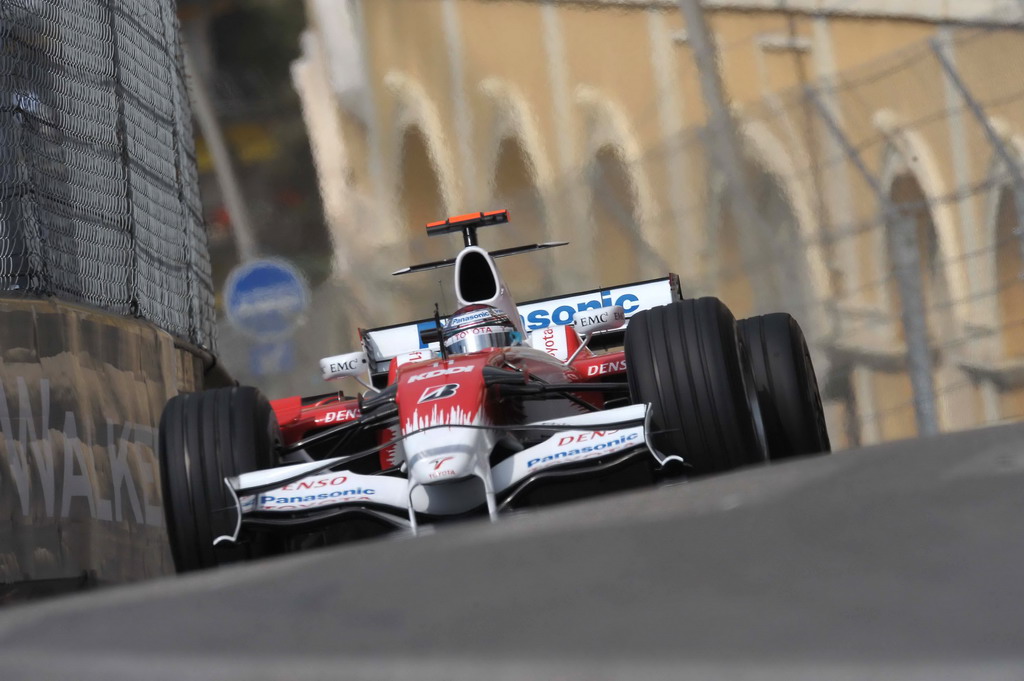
(98, 190)
(889, 203)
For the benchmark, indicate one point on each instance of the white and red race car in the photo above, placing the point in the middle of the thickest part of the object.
(497, 407)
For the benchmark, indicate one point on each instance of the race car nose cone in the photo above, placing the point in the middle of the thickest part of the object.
(457, 462)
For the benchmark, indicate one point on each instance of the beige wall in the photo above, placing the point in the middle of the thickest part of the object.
(586, 118)
(81, 394)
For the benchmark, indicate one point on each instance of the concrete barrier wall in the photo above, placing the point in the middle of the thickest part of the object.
(81, 394)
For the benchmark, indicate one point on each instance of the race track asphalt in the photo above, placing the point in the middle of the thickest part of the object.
(903, 561)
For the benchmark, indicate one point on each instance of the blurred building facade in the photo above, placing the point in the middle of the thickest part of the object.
(258, 185)
(865, 125)
(239, 54)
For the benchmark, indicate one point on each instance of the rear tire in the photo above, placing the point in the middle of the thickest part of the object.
(204, 438)
(684, 359)
(787, 390)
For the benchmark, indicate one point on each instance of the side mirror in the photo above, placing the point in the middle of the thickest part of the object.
(605, 319)
(339, 366)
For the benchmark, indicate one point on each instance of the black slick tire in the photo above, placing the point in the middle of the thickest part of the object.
(684, 359)
(787, 390)
(205, 437)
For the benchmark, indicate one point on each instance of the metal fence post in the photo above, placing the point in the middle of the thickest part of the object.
(726, 147)
(902, 239)
(902, 231)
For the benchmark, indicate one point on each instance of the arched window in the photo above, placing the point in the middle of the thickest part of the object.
(956, 398)
(893, 402)
(514, 186)
(733, 283)
(420, 198)
(1009, 268)
(910, 203)
(762, 267)
(1010, 295)
(618, 244)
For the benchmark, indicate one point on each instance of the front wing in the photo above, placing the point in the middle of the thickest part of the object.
(315, 486)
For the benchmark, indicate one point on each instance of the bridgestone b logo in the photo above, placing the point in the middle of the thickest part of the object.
(439, 392)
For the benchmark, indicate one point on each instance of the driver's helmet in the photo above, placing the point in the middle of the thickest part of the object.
(478, 327)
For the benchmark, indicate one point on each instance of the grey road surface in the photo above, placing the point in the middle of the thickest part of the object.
(904, 561)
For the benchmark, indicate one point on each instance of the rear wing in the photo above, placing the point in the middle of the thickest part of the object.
(468, 224)
(387, 342)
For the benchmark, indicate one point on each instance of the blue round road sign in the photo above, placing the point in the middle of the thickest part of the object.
(265, 298)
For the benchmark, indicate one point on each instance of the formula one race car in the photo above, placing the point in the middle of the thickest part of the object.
(494, 408)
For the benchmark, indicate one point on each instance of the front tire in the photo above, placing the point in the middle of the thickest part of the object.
(205, 437)
(787, 389)
(684, 359)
